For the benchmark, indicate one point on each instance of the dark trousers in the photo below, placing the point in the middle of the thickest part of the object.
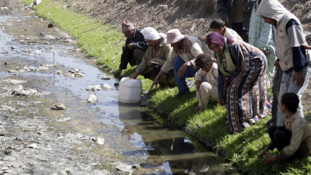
(238, 27)
(275, 90)
(280, 138)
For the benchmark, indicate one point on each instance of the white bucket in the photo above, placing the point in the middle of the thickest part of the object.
(129, 90)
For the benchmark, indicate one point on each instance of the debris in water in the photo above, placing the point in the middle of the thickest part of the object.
(78, 75)
(93, 88)
(204, 169)
(33, 145)
(64, 119)
(59, 106)
(43, 68)
(58, 72)
(106, 86)
(106, 78)
(98, 140)
(92, 98)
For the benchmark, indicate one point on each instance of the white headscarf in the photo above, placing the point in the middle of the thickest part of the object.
(272, 9)
(152, 34)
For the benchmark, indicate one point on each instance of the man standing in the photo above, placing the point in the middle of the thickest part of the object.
(134, 49)
(156, 55)
(293, 59)
(182, 59)
(236, 14)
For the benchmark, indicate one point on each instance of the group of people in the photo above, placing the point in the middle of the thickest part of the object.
(234, 67)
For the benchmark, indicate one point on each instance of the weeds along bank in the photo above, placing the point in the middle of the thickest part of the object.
(103, 41)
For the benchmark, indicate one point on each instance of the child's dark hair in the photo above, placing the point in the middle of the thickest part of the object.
(203, 61)
(217, 24)
(291, 101)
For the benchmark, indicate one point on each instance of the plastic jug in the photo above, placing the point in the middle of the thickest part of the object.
(129, 90)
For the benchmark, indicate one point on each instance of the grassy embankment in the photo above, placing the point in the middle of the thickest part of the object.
(98, 41)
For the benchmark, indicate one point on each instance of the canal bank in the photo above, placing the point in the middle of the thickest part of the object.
(209, 126)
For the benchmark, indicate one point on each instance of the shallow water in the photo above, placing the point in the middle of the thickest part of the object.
(132, 136)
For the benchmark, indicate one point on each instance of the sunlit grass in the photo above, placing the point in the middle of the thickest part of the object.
(99, 41)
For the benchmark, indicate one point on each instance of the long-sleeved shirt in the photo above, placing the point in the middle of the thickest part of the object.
(211, 76)
(157, 55)
(138, 42)
(190, 49)
(230, 33)
(301, 132)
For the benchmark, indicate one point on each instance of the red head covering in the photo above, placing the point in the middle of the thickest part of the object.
(127, 26)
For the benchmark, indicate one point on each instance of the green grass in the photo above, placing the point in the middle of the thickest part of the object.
(99, 41)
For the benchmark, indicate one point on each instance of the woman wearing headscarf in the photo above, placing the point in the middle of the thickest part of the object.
(156, 55)
(206, 80)
(241, 81)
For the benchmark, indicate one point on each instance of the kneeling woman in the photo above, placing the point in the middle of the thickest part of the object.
(241, 82)
(206, 80)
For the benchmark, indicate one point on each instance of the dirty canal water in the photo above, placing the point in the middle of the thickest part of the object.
(43, 66)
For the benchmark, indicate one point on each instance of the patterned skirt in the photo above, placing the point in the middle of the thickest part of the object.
(246, 101)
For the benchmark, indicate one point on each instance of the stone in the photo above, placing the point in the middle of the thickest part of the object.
(33, 145)
(13, 71)
(50, 25)
(6, 108)
(43, 68)
(106, 86)
(93, 87)
(78, 75)
(98, 140)
(59, 106)
(106, 78)
(58, 72)
(13, 47)
(92, 98)
(64, 119)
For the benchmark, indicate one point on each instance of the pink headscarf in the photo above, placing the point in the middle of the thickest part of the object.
(216, 38)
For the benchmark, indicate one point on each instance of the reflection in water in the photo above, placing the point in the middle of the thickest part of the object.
(167, 150)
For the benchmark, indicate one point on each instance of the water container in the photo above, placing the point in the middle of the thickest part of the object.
(129, 90)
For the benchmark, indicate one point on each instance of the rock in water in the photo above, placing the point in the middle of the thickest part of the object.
(92, 98)
(106, 86)
(98, 140)
(59, 106)
(106, 78)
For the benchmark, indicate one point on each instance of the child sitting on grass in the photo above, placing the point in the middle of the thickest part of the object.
(293, 138)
